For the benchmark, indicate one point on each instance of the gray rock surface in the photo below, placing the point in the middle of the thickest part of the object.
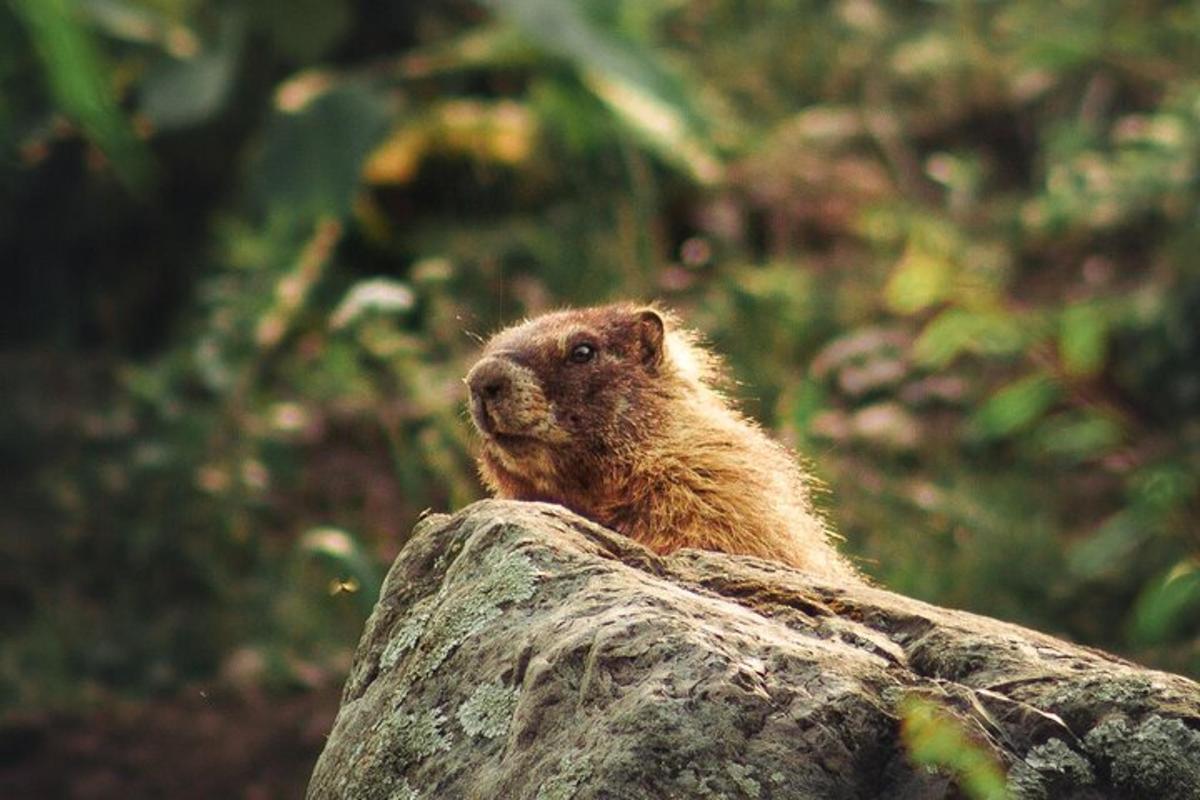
(519, 651)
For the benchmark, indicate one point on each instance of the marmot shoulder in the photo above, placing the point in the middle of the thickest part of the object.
(613, 412)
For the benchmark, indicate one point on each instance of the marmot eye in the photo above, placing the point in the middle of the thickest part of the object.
(582, 353)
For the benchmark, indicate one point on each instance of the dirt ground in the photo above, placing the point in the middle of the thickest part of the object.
(199, 745)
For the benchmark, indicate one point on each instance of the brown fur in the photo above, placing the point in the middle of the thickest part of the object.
(638, 439)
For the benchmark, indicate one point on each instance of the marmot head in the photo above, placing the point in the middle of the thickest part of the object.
(575, 384)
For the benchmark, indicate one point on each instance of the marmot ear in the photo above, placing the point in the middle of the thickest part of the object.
(650, 330)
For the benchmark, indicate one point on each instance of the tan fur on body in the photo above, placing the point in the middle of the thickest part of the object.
(635, 436)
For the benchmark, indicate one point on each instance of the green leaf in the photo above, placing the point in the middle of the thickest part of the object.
(653, 103)
(580, 120)
(806, 402)
(921, 279)
(1169, 606)
(133, 21)
(311, 165)
(179, 92)
(78, 79)
(936, 739)
(303, 30)
(1015, 407)
(957, 331)
(1163, 487)
(1083, 339)
(492, 45)
(1107, 550)
(1077, 437)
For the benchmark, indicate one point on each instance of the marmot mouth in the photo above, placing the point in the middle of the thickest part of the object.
(479, 415)
(510, 441)
(485, 423)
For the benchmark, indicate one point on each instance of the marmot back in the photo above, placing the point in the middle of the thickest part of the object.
(612, 412)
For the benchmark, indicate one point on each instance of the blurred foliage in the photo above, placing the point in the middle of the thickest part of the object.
(937, 740)
(947, 247)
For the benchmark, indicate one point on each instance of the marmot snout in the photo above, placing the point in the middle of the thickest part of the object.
(507, 401)
(612, 412)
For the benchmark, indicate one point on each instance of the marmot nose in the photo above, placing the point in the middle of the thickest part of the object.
(488, 379)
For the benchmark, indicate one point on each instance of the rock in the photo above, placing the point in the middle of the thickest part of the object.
(519, 651)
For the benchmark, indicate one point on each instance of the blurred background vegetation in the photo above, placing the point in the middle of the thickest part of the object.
(949, 248)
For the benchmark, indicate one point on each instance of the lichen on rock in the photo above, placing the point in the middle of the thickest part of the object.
(1157, 758)
(743, 776)
(406, 635)
(573, 770)
(1048, 771)
(506, 578)
(403, 791)
(393, 744)
(488, 711)
(519, 651)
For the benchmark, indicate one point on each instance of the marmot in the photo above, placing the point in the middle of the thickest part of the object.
(614, 413)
